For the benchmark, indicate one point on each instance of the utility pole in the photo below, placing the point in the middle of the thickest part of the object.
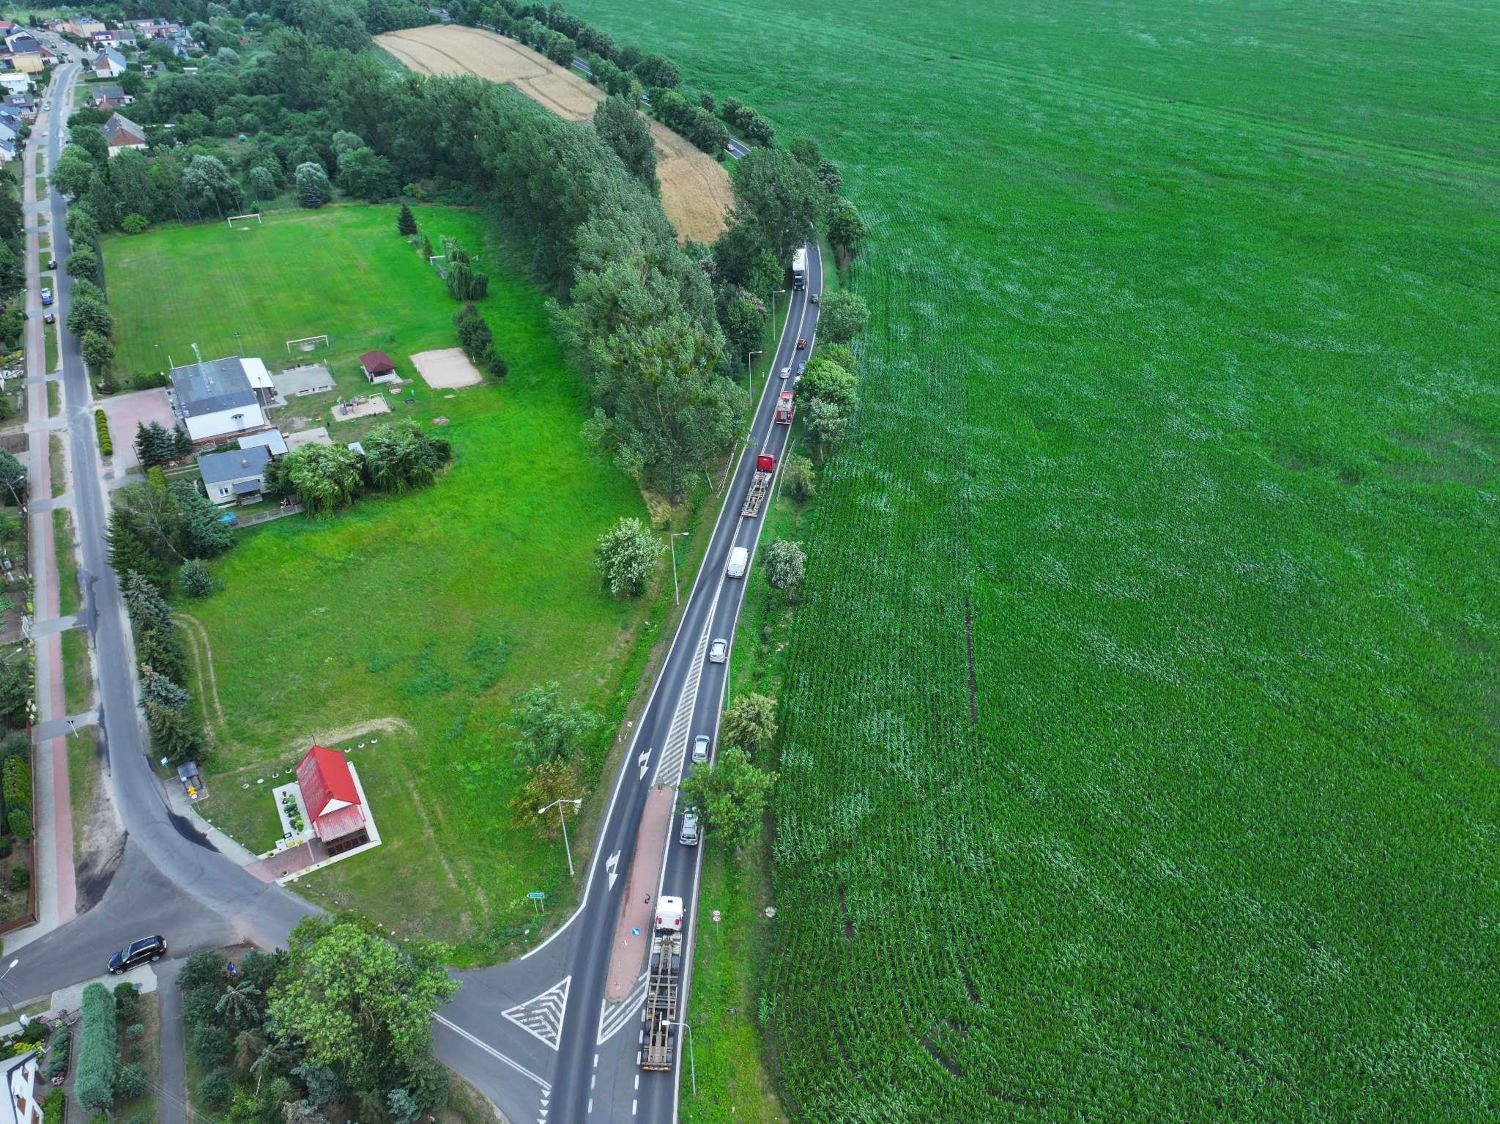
(672, 543)
(563, 819)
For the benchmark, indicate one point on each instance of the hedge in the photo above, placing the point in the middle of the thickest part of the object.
(20, 823)
(106, 444)
(15, 783)
(98, 1051)
(58, 1044)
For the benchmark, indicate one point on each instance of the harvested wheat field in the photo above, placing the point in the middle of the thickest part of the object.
(695, 191)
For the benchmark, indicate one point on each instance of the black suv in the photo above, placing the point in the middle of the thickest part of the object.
(143, 951)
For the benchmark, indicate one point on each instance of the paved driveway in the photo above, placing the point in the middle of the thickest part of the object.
(125, 412)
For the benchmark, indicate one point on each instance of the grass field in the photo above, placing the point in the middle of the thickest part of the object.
(426, 612)
(1142, 712)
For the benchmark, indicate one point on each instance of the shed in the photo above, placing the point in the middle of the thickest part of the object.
(332, 799)
(378, 366)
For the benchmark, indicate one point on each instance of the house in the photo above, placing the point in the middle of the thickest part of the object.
(333, 800)
(84, 27)
(10, 141)
(378, 367)
(220, 397)
(29, 62)
(22, 42)
(21, 104)
(109, 97)
(15, 82)
(19, 1104)
(109, 63)
(238, 476)
(120, 132)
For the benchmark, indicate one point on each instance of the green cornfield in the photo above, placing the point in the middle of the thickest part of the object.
(1141, 720)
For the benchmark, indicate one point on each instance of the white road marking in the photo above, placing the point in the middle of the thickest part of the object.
(674, 753)
(614, 1016)
(612, 865)
(494, 1053)
(542, 1015)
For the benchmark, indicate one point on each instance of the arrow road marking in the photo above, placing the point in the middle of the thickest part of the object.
(644, 761)
(611, 865)
(542, 1016)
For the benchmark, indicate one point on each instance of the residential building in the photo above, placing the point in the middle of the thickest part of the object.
(120, 132)
(109, 63)
(268, 438)
(333, 800)
(16, 82)
(238, 476)
(108, 96)
(19, 1104)
(221, 397)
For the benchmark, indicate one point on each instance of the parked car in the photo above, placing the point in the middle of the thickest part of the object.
(46, 105)
(801, 343)
(718, 651)
(46, 296)
(689, 835)
(51, 263)
(700, 749)
(50, 318)
(147, 950)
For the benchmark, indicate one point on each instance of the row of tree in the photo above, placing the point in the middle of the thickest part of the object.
(398, 457)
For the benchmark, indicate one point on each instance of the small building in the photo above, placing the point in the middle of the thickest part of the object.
(378, 366)
(16, 82)
(220, 397)
(332, 799)
(238, 476)
(19, 1104)
(109, 97)
(109, 63)
(120, 133)
(269, 439)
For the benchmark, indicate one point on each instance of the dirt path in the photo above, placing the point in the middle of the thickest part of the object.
(695, 189)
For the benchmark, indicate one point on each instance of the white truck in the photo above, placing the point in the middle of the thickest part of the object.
(663, 985)
(799, 268)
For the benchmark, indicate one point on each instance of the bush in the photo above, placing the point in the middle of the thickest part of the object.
(135, 1030)
(127, 1001)
(20, 823)
(99, 1051)
(20, 878)
(216, 1088)
(16, 745)
(195, 579)
(130, 1082)
(202, 969)
(35, 1031)
(134, 224)
(15, 783)
(101, 424)
(211, 1046)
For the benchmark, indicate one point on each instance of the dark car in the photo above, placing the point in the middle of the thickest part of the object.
(801, 344)
(816, 299)
(136, 953)
(50, 318)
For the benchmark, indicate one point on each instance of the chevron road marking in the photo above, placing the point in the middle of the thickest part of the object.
(614, 1016)
(542, 1016)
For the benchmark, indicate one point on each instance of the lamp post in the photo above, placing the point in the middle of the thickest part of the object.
(672, 543)
(692, 1063)
(748, 372)
(8, 1003)
(563, 819)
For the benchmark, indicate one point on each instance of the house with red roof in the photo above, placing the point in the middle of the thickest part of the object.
(332, 799)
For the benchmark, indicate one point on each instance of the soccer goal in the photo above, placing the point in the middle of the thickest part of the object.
(307, 343)
(245, 220)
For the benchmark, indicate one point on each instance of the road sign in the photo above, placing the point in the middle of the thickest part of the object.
(536, 896)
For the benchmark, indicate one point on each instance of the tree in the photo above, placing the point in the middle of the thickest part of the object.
(98, 353)
(625, 555)
(403, 1109)
(798, 479)
(89, 315)
(548, 729)
(730, 797)
(207, 184)
(545, 782)
(785, 564)
(240, 1005)
(359, 1003)
(781, 197)
(195, 579)
(826, 381)
(345, 142)
(826, 423)
(846, 230)
(366, 174)
(807, 151)
(830, 176)
(398, 456)
(74, 171)
(153, 444)
(263, 182)
(130, 1081)
(83, 262)
(406, 222)
(843, 315)
(325, 477)
(313, 189)
(750, 723)
(158, 690)
(12, 479)
(627, 133)
(658, 71)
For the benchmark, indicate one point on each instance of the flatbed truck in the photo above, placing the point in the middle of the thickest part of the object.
(663, 986)
(760, 485)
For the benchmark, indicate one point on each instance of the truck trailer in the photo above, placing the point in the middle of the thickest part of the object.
(663, 986)
(760, 484)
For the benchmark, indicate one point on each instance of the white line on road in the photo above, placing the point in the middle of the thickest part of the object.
(494, 1053)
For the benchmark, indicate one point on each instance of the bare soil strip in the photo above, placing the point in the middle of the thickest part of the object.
(695, 189)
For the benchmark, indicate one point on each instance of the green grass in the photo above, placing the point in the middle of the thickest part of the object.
(56, 466)
(50, 346)
(78, 676)
(84, 774)
(67, 566)
(433, 608)
(1180, 402)
(54, 389)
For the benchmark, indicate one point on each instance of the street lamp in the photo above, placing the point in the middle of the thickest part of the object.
(692, 1063)
(748, 356)
(562, 817)
(8, 1003)
(672, 543)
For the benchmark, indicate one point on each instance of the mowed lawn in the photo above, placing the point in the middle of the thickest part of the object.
(432, 609)
(341, 271)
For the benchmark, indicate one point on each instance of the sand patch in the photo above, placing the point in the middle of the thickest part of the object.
(695, 189)
(446, 368)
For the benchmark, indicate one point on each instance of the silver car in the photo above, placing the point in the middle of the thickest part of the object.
(718, 651)
(689, 835)
(700, 749)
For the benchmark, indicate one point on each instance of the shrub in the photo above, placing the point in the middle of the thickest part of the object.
(134, 224)
(130, 1082)
(20, 878)
(127, 1001)
(135, 1030)
(99, 1052)
(35, 1031)
(195, 579)
(15, 783)
(20, 823)
(16, 745)
(216, 1088)
(101, 424)
(211, 1046)
(202, 969)
(6, 846)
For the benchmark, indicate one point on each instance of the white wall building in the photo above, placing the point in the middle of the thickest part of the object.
(19, 1105)
(221, 397)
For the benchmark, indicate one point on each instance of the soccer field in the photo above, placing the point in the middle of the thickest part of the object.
(341, 271)
(1141, 712)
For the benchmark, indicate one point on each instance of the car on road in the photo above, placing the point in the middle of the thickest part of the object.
(689, 834)
(816, 299)
(802, 368)
(785, 372)
(147, 950)
(46, 105)
(46, 296)
(700, 749)
(718, 651)
(50, 318)
(801, 343)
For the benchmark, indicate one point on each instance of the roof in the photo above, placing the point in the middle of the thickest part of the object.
(376, 361)
(120, 129)
(108, 92)
(113, 56)
(207, 388)
(329, 791)
(247, 487)
(220, 468)
(270, 439)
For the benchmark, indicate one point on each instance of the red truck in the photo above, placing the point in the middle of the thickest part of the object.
(785, 408)
(760, 484)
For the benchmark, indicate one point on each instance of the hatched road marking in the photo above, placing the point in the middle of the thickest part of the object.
(614, 1016)
(542, 1016)
(669, 765)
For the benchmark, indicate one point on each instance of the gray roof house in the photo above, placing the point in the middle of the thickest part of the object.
(121, 132)
(236, 476)
(220, 397)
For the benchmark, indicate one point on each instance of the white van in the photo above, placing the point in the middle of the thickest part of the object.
(739, 559)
